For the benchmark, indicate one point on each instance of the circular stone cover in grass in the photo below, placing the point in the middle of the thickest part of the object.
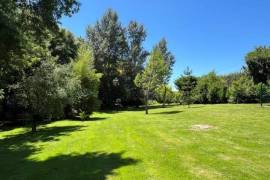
(201, 127)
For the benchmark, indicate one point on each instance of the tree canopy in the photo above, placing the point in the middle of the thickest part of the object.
(186, 84)
(258, 62)
(118, 54)
(152, 76)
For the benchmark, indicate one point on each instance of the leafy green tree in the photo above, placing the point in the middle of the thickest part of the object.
(110, 48)
(178, 97)
(170, 95)
(262, 92)
(216, 89)
(267, 92)
(86, 94)
(37, 15)
(242, 90)
(69, 85)
(13, 74)
(169, 62)
(63, 46)
(159, 94)
(40, 93)
(151, 77)
(231, 77)
(1, 98)
(26, 27)
(211, 89)
(52, 87)
(258, 62)
(136, 35)
(1, 94)
(11, 37)
(24, 21)
(186, 84)
(201, 90)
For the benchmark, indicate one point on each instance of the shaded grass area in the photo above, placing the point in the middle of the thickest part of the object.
(131, 145)
(16, 162)
(168, 112)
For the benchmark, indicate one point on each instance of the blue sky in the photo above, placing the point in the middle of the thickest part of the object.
(202, 34)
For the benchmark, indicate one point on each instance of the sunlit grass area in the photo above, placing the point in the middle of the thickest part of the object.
(201, 142)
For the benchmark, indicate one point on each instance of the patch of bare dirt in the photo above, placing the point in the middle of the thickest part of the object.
(201, 127)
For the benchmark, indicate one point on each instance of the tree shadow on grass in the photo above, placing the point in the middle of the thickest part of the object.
(90, 119)
(94, 165)
(141, 108)
(43, 134)
(27, 124)
(16, 161)
(191, 107)
(168, 112)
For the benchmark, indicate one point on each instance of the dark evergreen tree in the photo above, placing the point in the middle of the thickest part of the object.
(110, 49)
(63, 46)
(186, 84)
(136, 58)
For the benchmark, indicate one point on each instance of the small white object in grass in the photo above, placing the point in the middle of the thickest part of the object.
(201, 127)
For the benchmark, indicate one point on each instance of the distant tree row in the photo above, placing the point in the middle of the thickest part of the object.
(251, 85)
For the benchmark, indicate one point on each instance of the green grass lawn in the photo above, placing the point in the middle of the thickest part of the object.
(131, 145)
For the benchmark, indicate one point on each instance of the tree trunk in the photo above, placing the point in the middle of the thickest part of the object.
(35, 119)
(4, 109)
(34, 124)
(164, 97)
(189, 100)
(261, 95)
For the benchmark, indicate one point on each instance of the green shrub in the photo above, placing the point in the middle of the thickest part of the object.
(83, 116)
(85, 96)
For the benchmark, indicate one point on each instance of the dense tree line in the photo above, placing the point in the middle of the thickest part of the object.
(212, 88)
(47, 73)
(119, 55)
(250, 85)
